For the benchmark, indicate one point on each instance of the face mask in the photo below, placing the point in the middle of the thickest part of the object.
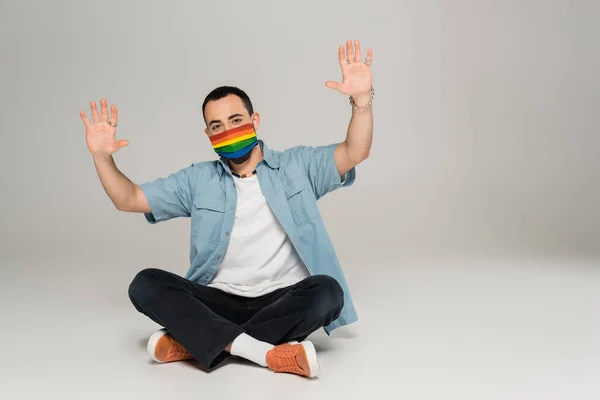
(235, 144)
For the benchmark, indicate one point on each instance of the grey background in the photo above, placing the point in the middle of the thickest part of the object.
(485, 117)
(471, 237)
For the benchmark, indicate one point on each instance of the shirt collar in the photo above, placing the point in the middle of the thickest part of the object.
(270, 158)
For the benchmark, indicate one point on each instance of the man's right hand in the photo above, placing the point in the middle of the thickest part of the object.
(100, 136)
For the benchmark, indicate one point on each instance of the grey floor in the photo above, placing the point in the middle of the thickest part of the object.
(468, 329)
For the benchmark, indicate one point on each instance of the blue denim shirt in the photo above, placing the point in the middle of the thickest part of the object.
(291, 180)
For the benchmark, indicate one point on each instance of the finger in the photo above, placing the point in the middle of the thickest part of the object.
(341, 56)
(114, 115)
(122, 143)
(358, 54)
(104, 110)
(349, 51)
(86, 122)
(95, 117)
(333, 85)
(369, 56)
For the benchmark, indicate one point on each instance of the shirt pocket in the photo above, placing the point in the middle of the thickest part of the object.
(301, 200)
(207, 217)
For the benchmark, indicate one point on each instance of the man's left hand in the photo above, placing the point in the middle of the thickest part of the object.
(356, 73)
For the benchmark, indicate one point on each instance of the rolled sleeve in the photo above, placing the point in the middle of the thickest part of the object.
(169, 197)
(322, 170)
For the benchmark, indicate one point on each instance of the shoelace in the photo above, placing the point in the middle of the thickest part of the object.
(177, 349)
(285, 358)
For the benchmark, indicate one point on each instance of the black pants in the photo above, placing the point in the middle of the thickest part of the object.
(205, 319)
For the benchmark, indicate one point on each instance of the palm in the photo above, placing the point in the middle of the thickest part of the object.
(101, 135)
(100, 138)
(356, 78)
(356, 74)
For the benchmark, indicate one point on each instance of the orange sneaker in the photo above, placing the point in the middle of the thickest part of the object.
(294, 358)
(163, 348)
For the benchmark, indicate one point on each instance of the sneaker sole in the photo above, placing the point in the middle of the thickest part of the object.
(311, 355)
(151, 346)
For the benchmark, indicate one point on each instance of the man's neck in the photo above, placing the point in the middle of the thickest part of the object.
(250, 164)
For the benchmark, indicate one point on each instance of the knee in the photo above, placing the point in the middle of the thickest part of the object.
(143, 285)
(330, 297)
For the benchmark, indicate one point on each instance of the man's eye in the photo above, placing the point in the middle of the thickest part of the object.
(215, 127)
(237, 120)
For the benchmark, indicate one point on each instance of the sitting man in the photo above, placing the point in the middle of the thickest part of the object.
(263, 274)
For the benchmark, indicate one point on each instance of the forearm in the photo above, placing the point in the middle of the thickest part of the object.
(360, 130)
(118, 187)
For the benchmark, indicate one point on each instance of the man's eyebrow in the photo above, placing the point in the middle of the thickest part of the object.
(230, 117)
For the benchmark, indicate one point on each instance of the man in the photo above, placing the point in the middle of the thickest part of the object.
(263, 274)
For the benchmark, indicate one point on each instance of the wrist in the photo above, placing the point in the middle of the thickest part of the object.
(361, 99)
(101, 156)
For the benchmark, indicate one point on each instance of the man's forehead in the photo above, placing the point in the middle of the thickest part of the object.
(227, 101)
(225, 107)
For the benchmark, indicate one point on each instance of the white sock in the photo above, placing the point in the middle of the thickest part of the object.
(247, 347)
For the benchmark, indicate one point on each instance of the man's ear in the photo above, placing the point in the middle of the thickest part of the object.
(256, 121)
(206, 131)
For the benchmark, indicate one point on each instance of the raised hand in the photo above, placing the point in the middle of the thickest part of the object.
(100, 136)
(356, 74)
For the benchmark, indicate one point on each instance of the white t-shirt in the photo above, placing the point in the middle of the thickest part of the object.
(260, 257)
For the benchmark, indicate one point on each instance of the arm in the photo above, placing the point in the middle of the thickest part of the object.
(125, 195)
(357, 146)
(357, 84)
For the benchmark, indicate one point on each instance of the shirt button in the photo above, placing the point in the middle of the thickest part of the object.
(218, 257)
(227, 233)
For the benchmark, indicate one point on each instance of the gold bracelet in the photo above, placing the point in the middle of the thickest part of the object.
(363, 108)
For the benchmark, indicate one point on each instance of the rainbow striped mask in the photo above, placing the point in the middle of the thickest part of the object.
(236, 142)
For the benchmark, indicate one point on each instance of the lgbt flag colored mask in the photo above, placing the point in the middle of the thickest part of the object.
(235, 143)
